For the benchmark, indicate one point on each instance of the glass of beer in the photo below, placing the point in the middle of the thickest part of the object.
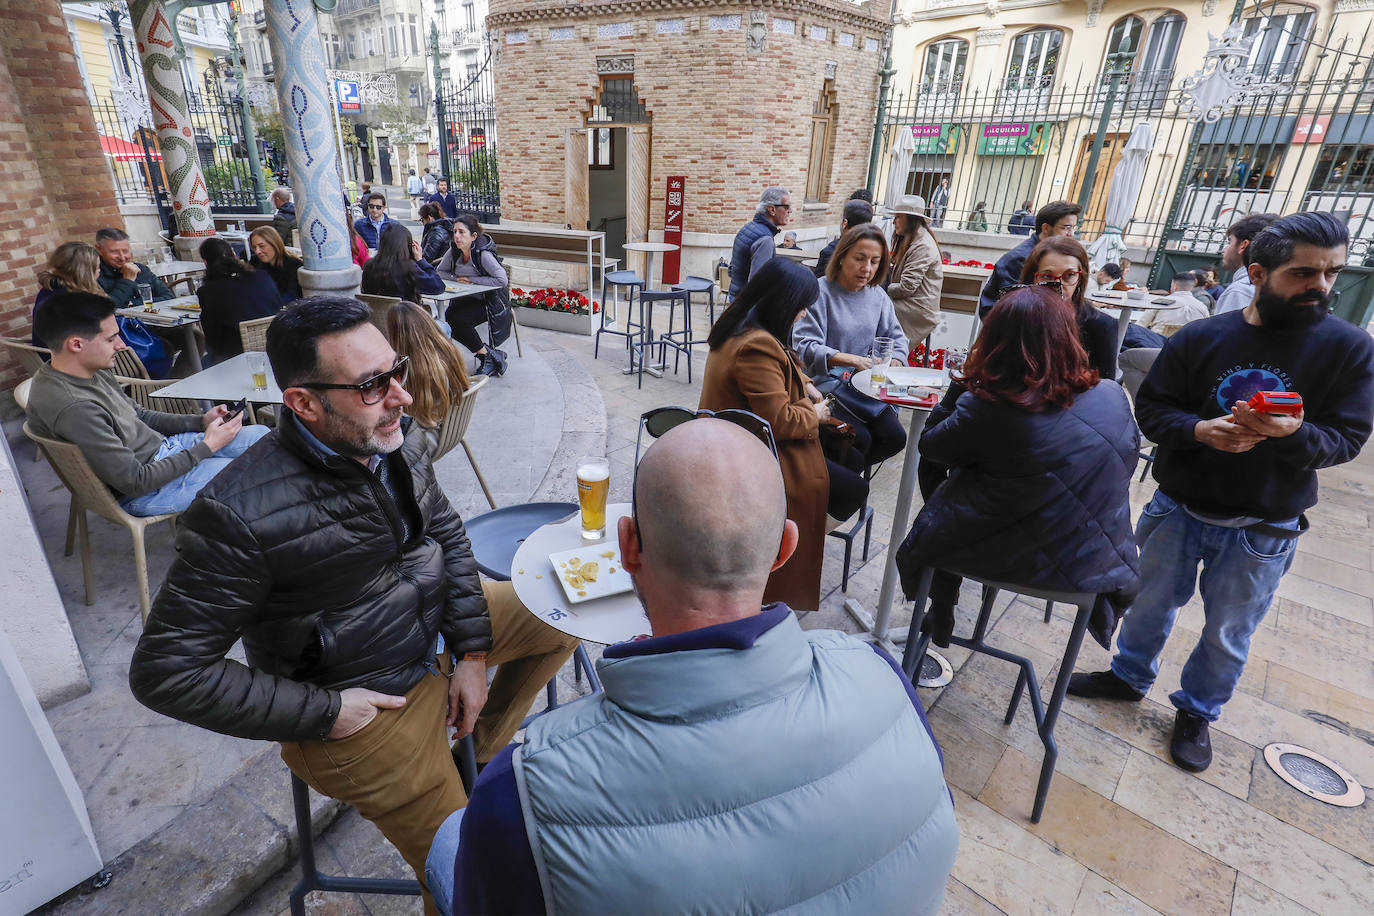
(881, 352)
(257, 365)
(593, 486)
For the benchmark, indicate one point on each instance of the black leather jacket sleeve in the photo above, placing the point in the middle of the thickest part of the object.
(465, 624)
(213, 590)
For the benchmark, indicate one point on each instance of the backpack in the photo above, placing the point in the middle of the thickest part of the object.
(499, 316)
(150, 349)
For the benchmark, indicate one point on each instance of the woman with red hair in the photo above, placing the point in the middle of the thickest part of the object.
(1039, 453)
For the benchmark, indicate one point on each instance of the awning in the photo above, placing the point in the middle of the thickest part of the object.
(121, 150)
(1254, 129)
(1349, 130)
(471, 148)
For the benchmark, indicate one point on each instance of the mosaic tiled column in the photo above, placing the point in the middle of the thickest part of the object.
(172, 121)
(307, 122)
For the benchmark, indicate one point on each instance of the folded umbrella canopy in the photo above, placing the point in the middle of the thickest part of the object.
(1127, 178)
(903, 147)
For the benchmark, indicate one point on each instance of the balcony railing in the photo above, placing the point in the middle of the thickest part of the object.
(466, 38)
(260, 17)
(269, 69)
(350, 7)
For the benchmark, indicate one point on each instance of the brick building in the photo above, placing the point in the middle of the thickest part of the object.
(599, 103)
(57, 185)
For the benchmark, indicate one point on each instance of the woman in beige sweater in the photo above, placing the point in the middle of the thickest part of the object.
(917, 275)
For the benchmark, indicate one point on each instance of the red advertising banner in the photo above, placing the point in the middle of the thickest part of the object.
(672, 228)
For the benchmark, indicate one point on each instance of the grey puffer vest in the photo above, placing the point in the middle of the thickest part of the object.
(794, 776)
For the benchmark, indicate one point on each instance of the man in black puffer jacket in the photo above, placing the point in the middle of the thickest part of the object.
(331, 551)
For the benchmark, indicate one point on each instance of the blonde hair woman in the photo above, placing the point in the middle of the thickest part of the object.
(437, 376)
(73, 268)
(269, 255)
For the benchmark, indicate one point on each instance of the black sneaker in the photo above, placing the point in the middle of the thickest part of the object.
(486, 365)
(1103, 685)
(1191, 744)
(499, 358)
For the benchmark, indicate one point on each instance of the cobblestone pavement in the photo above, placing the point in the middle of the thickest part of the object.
(1124, 831)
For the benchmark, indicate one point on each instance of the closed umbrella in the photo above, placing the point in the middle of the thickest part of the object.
(902, 150)
(1122, 196)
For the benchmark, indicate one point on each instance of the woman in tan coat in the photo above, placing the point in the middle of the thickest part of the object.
(752, 367)
(917, 274)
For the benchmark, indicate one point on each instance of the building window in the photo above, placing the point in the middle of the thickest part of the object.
(1344, 169)
(470, 16)
(601, 148)
(619, 102)
(1153, 69)
(1241, 166)
(391, 36)
(352, 46)
(1280, 35)
(415, 47)
(1034, 57)
(945, 62)
(823, 118)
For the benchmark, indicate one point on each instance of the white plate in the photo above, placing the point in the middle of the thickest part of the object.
(607, 582)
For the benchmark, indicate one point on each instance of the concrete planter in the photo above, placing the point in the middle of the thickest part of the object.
(556, 321)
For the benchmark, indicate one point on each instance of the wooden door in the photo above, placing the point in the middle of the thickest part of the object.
(1091, 222)
(637, 185)
(575, 179)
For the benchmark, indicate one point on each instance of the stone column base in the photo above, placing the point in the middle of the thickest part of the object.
(341, 282)
(187, 247)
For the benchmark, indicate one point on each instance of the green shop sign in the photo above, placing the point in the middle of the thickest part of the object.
(935, 138)
(1018, 138)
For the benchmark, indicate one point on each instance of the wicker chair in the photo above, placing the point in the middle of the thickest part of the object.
(455, 427)
(29, 357)
(141, 390)
(90, 493)
(253, 333)
(129, 365)
(380, 305)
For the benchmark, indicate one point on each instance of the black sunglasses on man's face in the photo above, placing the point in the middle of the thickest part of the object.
(373, 389)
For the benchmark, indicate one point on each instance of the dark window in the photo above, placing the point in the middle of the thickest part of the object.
(1344, 168)
(601, 148)
(1246, 166)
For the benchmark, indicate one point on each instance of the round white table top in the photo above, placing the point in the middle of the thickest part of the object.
(1132, 304)
(612, 619)
(862, 382)
(650, 246)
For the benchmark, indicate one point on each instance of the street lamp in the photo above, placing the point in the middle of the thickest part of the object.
(115, 13)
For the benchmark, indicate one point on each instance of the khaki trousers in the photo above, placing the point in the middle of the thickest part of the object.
(398, 770)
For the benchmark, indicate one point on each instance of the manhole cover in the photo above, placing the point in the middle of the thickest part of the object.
(1314, 775)
(935, 671)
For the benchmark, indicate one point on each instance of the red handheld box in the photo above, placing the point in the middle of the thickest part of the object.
(1287, 403)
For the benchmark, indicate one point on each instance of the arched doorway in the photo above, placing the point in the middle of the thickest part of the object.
(607, 185)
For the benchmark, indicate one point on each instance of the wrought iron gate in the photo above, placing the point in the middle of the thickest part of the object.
(466, 111)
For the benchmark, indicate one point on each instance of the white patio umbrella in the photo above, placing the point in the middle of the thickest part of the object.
(902, 150)
(1122, 196)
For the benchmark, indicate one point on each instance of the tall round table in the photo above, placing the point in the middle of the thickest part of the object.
(1127, 307)
(650, 250)
(612, 619)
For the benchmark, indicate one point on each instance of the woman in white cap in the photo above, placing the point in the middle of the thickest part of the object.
(917, 275)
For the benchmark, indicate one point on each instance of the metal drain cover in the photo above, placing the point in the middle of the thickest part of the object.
(935, 670)
(1314, 775)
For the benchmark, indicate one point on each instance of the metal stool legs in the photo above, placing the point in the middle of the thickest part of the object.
(313, 880)
(1045, 715)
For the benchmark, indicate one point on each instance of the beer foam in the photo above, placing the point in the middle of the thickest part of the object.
(593, 473)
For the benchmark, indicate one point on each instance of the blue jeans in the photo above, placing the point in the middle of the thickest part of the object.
(1240, 573)
(443, 855)
(176, 495)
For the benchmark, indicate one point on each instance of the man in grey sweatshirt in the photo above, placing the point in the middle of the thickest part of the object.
(154, 462)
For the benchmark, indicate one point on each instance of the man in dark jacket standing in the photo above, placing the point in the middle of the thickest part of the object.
(754, 242)
(1234, 482)
(444, 199)
(1057, 218)
(284, 220)
(331, 551)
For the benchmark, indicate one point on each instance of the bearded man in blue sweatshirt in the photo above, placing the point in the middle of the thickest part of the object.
(1234, 482)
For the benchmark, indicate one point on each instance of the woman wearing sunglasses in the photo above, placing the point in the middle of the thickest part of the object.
(1039, 453)
(1062, 263)
(751, 366)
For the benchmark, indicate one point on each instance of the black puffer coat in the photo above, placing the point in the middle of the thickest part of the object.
(1037, 499)
(299, 553)
(437, 240)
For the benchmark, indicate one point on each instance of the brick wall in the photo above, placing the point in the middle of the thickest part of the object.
(731, 120)
(57, 185)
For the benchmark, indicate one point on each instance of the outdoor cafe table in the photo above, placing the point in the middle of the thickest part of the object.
(168, 315)
(1127, 306)
(651, 251)
(174, 272)
(453, 290)
(227, 381)
(612, 619)
(901, 512)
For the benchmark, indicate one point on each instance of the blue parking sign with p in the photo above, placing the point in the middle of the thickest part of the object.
(347, 93)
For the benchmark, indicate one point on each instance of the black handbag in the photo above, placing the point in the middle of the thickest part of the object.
(862, 406)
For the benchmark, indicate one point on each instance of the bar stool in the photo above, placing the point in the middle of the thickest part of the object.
(1045, 716)
(647, 299)
(692, 285)
(613, 281)
(864, 522)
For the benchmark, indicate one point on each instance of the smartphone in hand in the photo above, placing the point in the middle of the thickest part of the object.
(237, 409)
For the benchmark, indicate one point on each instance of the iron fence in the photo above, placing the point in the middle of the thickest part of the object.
(466, 112)
(1301, 141)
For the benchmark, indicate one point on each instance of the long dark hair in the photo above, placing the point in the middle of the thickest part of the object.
(392, 272)
(1062, 244)
(1028, 353)
(221, 262)
(771, 300)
